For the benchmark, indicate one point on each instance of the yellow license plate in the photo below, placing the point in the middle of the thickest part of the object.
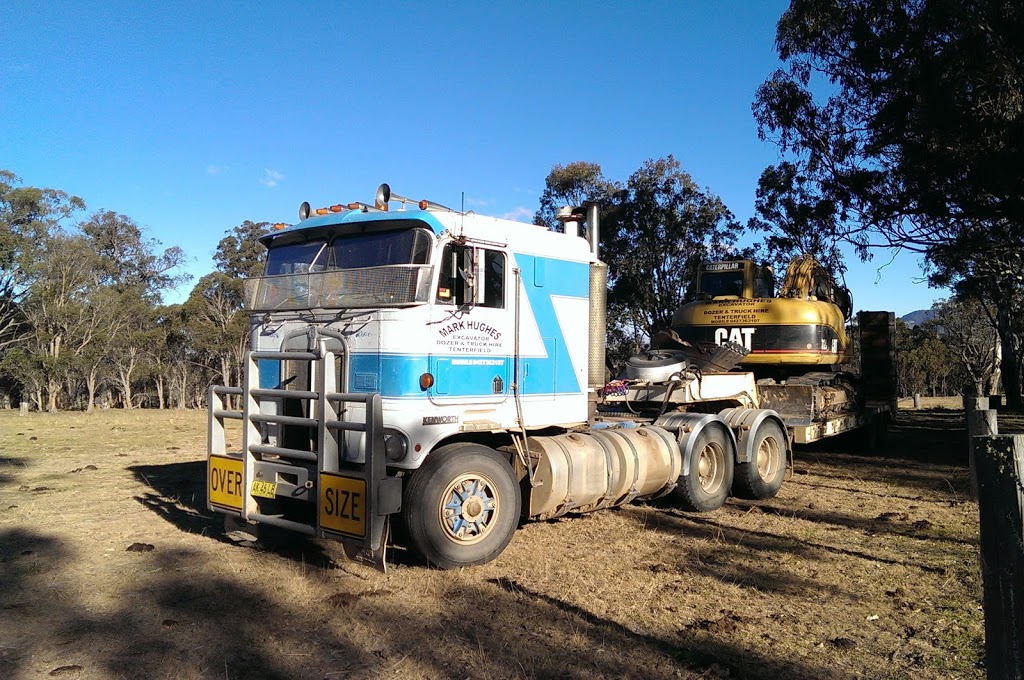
(224, 482)
(264, 489)
(343, 504)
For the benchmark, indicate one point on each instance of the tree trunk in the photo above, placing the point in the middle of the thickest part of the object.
(90, 386)
(160, 392)
(1010, 365)
(52, 388)
(997, 366)
(182, 391)
(126, 389)
(225, 371)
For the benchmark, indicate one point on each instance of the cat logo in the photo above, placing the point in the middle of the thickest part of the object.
(741, 336)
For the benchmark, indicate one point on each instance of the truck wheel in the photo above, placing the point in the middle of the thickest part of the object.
(762, 477)
(462, 506)
(706, 487)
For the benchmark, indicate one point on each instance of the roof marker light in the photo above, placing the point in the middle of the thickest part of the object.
(337, 208)
(279, 226)
(322, 211)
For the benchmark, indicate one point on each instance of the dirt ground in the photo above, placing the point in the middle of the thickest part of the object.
(865, 565)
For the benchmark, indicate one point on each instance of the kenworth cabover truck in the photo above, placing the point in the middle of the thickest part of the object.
(449, 367)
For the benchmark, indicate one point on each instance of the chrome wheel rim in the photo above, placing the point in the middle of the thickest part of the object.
(468, 508)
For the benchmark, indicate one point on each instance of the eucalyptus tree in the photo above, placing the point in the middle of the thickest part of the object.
(574, 185)
(665, 226)
(217, 324)
(133, 271)
(28, 218)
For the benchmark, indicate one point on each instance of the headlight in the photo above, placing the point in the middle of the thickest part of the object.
(396, 446)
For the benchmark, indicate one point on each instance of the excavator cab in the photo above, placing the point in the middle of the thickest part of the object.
(737, 279)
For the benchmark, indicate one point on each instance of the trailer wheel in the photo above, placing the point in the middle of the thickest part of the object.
(762, 477)
(706, 487)
(462, 506)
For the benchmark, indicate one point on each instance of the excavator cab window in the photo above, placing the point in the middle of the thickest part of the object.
(721, 283)
(764, 282)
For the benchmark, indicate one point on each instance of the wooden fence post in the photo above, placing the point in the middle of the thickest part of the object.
(1000, 506)
(917, 401)
(980, 423)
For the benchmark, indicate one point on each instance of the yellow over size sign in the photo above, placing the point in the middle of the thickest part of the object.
(224, 482)
(343, 504)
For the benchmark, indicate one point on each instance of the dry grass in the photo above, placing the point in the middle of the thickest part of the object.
(932, 403)
(864, 566)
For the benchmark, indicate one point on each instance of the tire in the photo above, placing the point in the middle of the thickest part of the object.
(655, 365)
(707, 485)
(762, 477)
(462, 506)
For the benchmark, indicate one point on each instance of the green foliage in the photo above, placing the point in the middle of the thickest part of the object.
(128, 260)
(971, 338)
(655, 230)
(573, 185)
(28, 217)
(76, 306)
(796, 219)
(925, 363)
(663, 227)
(240, 254)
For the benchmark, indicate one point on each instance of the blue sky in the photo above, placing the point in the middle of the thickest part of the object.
(192, 117)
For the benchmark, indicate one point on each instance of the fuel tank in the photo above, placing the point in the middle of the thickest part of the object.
(585, 471)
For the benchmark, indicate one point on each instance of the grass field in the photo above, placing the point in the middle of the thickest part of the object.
(865, 565)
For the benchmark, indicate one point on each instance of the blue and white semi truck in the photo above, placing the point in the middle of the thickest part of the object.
(449, 368)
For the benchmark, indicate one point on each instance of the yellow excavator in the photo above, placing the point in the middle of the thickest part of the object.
(800, 330)
(795, 343)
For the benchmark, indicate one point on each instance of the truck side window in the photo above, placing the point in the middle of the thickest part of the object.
(446, 278)
(493, 276)
(494, 279)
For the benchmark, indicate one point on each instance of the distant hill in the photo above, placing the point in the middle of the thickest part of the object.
(917, 318)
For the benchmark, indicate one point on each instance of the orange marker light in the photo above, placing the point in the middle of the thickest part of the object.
(423, 204)
(337, 208)
(426, 381)
(322, 211)
(279, 226)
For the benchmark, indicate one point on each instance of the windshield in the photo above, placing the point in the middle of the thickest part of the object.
(722, 283)
(294, 258)
(370, 269)
(350, 251)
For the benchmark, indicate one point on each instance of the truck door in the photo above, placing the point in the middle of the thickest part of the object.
(471, 327)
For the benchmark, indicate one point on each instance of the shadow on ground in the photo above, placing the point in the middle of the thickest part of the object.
(177, 620)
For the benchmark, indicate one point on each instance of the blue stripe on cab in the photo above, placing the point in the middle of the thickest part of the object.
(543, 278)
